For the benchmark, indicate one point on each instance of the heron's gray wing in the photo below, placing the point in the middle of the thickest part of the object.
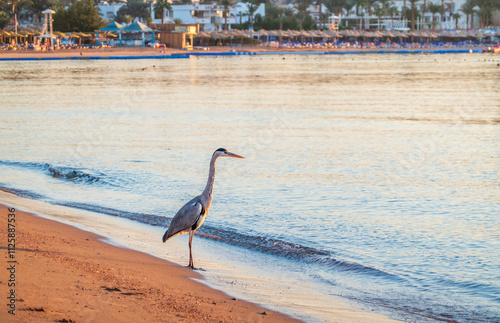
(185, 218)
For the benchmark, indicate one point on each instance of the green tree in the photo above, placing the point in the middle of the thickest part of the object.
(253, 5)
(413, 12)
(392, 11)
(281, 14)
(468, 9)
(486, 10)
(379, 11)
(226, 5)
(81, 16)
(360, 11)
(456, 16)
(13, 4)
(160, 7)
(241, 15)
(337, 6)
(136, 9)
(434, 9)
(36, 7)
(302, 6)
(289, 14)
(4, 20)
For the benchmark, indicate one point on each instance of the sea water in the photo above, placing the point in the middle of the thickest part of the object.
(370, 178)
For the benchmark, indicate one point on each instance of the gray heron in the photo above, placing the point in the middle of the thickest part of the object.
(191, 216)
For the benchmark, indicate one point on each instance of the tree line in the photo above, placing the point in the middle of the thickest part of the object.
(83, 15)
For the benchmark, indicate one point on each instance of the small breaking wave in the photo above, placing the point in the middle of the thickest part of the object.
(73, 174)
(262, 244)
(61, 172)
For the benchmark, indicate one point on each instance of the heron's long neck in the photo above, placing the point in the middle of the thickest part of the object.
(211, 178)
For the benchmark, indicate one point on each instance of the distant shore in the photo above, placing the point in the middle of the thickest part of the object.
(141, 52)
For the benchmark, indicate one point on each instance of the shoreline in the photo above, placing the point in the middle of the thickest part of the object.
(53, 248)
(64, 273)
(153, 53)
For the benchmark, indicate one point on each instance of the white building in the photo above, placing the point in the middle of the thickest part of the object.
(445, 22)
(109, 11)
(210, 15)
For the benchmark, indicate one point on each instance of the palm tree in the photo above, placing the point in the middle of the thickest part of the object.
(456, 16)
(281, 12)
(413, 2)
(288, 12)
(252, 7)
(302, 6)
(241, 15)
(468, 9)
(392, 11)
(424, 10)
(361, 4)
(486, 10)
(320, 4)
(379, 11)
(4, 20)
(13, 6)
(37, 6)
(434, 10)
(226, 4)
(160, 7)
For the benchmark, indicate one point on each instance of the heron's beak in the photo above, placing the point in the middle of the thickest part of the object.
(234, 155)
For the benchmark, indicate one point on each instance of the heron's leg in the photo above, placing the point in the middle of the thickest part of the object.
(191, 262)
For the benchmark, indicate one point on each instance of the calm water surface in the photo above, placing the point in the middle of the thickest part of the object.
(377, 174)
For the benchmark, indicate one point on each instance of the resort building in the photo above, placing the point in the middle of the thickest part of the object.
(210, 16)
(109, 11)
(448, 21)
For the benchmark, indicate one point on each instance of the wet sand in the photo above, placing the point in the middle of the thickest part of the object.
(63, 273)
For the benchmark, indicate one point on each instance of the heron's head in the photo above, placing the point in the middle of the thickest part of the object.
(222, 152)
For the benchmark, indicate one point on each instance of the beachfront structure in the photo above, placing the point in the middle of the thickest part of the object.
(210, 15)
(446, 21)
(109, 11)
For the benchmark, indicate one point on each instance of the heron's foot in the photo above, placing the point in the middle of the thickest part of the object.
(193, 268)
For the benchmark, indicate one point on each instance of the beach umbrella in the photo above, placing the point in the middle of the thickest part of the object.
(273, 33)
(47, 36)
(263, 32)
(333, 33)
(202, 34)
(251, 32)
(113, 26)
(240, 34)
(399, 34)
(387, 33)
(137, 26)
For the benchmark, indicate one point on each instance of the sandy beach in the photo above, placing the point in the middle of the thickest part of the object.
(64, 274)
(145, 51)
(135, 51)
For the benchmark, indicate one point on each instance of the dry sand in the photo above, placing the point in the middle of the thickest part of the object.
(64, 274)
